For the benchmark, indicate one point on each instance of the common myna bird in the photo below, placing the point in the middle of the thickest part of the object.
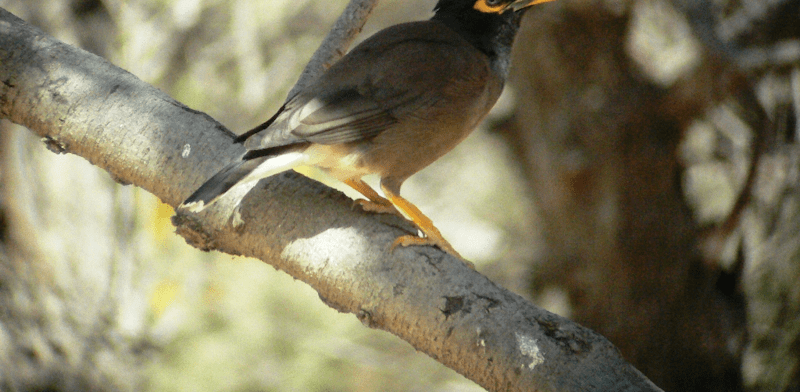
(391, 106)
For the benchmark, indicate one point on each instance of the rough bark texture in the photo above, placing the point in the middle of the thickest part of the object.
(83, 105)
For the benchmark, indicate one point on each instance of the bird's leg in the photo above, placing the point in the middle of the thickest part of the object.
(378, 204)
(374, 202)
(432, 234)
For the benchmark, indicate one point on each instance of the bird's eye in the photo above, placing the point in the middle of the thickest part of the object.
(491, 6)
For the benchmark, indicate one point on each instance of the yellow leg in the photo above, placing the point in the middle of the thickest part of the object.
(375, 202)
(381, 205)
(432, 234)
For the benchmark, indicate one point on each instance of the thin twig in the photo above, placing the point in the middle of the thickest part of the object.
(336, 43)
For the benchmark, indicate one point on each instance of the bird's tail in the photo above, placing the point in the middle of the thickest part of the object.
(252, 166)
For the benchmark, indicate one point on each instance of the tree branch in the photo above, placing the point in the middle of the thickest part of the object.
(335, 44)
(81, 104)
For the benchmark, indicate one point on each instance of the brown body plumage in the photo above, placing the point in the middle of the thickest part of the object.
(393, 105)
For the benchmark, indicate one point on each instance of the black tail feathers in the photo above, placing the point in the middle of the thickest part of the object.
(220, 183)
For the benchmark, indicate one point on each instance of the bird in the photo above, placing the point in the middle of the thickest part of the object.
(391, 106)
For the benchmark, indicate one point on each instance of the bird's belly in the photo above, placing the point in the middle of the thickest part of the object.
(407, 147)
(342, 161)
(413, 145)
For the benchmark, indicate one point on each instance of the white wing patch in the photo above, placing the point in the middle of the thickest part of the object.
(312, 106)
(275, 165)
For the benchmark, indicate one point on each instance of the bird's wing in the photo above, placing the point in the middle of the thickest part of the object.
(391, 75)
(340, 116)
(332, 113)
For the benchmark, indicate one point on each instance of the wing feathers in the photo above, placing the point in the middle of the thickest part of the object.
(347, 129)
(342, 117)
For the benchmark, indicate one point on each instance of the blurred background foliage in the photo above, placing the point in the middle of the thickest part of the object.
(591, 189)
(209, 321)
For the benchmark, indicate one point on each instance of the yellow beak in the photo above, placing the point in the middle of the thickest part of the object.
(518, 5)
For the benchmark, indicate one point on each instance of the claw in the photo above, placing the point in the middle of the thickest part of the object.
(410, 240)
(393, 205)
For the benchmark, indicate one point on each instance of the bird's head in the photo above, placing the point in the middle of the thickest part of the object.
(482, 9)
(486, 24)
(501, 6)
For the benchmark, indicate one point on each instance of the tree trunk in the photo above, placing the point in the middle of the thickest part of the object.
(666, 192)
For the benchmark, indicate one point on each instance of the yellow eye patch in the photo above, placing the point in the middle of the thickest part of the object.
(484, 6)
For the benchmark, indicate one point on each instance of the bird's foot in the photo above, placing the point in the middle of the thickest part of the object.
(412, 240)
